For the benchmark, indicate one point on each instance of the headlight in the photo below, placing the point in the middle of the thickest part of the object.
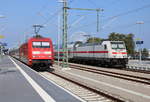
(47, 52)
(35, 56)
(35, 52)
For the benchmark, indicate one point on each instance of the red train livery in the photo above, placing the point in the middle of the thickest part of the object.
(37, 51)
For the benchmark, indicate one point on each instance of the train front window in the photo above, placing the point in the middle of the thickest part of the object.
(121, 46)
(45, 45)
(40, 44)
(117, 45)
(36, 44)
(114, 46)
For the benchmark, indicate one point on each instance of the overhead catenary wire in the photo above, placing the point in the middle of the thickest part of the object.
(123, 14)
(92, 3)
(123, 26)
(54, 14)
(128, 25)
(109, 18)
(129, 12)
(28, 29)
(76, 22)
(86, 25)
(106, 26)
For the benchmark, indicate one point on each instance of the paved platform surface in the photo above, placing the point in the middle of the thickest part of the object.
(144, 75)
(18, 83)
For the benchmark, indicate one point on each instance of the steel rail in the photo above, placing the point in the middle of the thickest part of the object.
(117, 75)
(128, 77)
(105, 94)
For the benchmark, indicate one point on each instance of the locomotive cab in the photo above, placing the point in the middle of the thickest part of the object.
(41, 52)
(117, 52)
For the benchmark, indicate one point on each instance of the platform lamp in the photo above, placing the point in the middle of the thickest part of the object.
(140, 42)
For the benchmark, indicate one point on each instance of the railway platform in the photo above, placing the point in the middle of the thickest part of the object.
(19, 83)
(126, 90)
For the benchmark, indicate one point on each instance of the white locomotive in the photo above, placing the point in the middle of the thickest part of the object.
(106, 53)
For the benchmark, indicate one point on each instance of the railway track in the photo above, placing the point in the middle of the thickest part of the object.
(124, 76)
(137, 70)
(88, 94)
(91, 94)
(125, 69)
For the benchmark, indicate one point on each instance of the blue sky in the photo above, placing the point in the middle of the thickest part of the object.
(22, 14)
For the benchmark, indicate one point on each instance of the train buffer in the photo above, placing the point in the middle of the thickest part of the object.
(18, 83)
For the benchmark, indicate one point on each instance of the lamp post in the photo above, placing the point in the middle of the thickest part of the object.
(140, 54)
(59, 33)
(64, 31)
(1, 36)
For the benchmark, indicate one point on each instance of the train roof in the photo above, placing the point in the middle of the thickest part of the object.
(39, 37)
(97, 43)
(36, 38)
(89, 44)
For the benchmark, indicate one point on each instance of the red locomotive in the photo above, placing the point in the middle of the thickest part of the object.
(37, 52)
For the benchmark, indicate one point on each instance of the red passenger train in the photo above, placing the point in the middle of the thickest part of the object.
(36, 52)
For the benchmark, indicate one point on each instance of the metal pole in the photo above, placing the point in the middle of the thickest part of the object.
(58, 42)
(65, 27)
(1, 16)
(87, 9)
(65, 50)
(98, 10)
(140, 54)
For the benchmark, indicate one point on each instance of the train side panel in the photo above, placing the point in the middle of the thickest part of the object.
(23, 53)
(105, 53)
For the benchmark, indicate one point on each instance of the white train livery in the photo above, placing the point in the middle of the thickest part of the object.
(106, 53)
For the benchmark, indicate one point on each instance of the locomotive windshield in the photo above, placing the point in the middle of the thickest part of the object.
(40, 44)
(117, 45)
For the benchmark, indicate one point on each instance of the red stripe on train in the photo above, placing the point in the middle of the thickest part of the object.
(85, 52)
(119, 53)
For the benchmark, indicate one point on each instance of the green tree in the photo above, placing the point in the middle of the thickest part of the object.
(145, 52)
(78, 43)
(94, 40)
(127, 38)
(130, 44)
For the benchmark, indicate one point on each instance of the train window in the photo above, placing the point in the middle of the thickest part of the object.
(117, 45)
(41, 44)
(114, 46)
(105, 47)
(36, 44)
(121, 46)
(45, 44)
